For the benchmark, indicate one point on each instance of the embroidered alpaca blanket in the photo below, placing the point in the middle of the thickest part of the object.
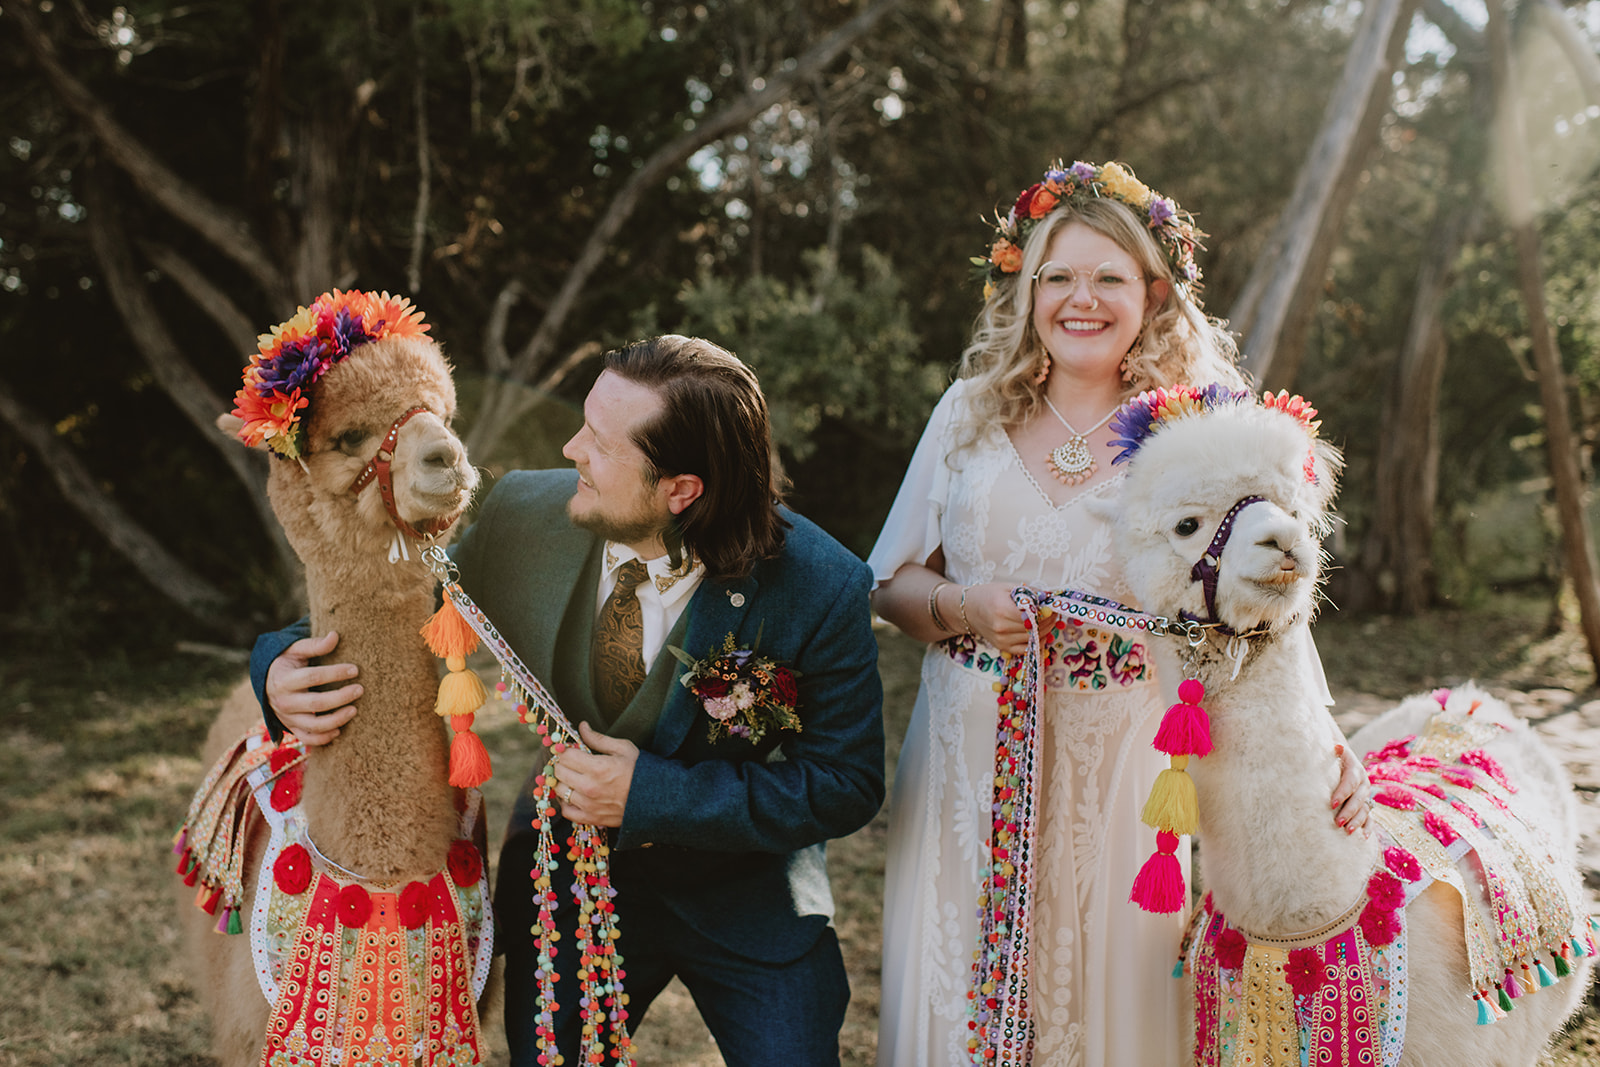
(1447, 813)
(356, 971)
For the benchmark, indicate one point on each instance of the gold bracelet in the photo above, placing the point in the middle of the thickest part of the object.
(933, 608)
(964, 621)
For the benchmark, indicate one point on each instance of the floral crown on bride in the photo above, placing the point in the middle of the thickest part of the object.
(1171, 226)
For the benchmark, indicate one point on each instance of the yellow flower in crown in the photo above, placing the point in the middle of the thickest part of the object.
(293, 355)
(1121, 183)
(1068, 187)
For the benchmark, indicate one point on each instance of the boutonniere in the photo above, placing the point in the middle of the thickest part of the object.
(744, 693)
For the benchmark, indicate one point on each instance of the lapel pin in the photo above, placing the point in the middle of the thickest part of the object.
(736, 599)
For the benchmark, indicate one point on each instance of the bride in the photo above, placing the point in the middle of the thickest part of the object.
(1091, 296)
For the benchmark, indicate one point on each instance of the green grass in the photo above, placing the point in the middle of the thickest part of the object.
(97, 765)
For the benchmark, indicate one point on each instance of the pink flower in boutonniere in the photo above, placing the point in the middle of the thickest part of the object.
(744, 694)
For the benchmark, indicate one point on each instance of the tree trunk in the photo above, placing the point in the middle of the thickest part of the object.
(1396, 568)
(1553, 18)
(186, 389)
(198, 597)
(1274, 309)
(504, 399)
(1561, 446)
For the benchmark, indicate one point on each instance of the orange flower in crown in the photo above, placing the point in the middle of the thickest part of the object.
(1171, 226)
(274, 400)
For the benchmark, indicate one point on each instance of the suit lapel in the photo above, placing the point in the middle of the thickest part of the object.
(716, 610)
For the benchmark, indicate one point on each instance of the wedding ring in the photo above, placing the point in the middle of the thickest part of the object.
(568, 798)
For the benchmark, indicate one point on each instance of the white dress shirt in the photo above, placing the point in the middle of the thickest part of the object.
(662, 598)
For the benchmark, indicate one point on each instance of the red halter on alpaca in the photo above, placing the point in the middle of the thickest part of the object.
(378, 467)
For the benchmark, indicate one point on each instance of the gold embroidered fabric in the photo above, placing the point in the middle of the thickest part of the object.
(619, 642)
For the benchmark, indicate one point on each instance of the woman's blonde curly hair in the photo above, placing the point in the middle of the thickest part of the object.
(1181, 344)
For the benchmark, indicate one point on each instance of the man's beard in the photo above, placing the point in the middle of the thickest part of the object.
(631, 529)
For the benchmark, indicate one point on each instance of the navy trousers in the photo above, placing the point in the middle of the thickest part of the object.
(777, 1015)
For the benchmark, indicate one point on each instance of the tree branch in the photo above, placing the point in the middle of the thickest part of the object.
(1272, 310)
(419, 218)
(496, 415)
(227, 232)
(202, 600)
(172, 371)
(207, 296)
(1579, 52)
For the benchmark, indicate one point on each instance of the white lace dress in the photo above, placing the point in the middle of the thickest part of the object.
(1103, 994)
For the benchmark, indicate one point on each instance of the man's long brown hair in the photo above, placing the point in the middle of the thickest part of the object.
(713, 424)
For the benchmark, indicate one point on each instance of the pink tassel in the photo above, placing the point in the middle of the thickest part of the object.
(1512, 989)
(1185, 731)
(1159, 885)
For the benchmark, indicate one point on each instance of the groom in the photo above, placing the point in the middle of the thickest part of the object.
(670, 532)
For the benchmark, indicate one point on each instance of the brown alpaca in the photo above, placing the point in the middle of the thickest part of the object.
(377, 799)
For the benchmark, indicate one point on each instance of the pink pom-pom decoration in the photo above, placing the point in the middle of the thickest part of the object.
(1191, 690)
(1385, 890)
(1159, 885)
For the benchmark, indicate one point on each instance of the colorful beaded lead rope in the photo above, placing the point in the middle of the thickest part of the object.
(998, 1013)
(602, 1004)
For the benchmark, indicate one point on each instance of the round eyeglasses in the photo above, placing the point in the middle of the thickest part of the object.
(1057, 281)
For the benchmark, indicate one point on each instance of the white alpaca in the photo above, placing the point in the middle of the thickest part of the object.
(1271, 857)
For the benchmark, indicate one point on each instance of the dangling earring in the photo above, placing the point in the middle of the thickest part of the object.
(1134, 351)
(1043, 372)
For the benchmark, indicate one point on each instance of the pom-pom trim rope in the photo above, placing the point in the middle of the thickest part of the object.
(602, 1002)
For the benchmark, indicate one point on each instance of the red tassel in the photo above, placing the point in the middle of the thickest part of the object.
(447, 633)
(469, 760)
(1185, 731)
(1159, 885)
(193, 875)
(213, 900)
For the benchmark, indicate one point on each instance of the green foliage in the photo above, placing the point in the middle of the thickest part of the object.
(831, 347)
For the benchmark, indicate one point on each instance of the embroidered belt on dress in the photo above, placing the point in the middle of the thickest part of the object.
(1083, 656)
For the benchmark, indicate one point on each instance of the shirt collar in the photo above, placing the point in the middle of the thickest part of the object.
(669, 584)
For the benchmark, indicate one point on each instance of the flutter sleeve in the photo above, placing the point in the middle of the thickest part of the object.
(912, 532)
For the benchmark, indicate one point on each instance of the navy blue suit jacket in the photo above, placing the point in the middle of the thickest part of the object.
(711, 831)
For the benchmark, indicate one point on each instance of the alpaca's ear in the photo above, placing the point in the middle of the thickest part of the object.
(230, 424)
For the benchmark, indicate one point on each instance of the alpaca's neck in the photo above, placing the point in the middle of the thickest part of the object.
(1269, 850)
(377, 798)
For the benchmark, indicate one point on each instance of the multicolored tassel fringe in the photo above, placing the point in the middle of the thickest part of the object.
(461, 694)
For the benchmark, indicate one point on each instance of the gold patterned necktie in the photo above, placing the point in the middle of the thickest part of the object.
(619, 643)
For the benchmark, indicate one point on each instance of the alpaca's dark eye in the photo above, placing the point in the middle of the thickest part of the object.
(350, 440)
(1186, 527)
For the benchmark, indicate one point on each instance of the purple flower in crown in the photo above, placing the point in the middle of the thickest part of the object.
(1084, 172)
(1145, 413)
(1162, 211)
(346, 332)
(1055, 175)
(298, 364)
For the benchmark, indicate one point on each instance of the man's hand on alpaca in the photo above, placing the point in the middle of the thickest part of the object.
(312, 716)
(592, 786)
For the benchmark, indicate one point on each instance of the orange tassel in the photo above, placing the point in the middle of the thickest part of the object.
(448, 634)
(469, 760)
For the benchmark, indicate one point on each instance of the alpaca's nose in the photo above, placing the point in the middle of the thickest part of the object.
(442, 454)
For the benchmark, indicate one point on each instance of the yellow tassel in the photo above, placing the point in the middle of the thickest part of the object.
(460, 693)
(1173, 804)
(448, 634)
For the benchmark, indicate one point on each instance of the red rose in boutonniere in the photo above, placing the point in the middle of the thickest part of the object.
(745, 694)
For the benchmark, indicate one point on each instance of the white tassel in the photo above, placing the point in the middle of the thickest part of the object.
(1237, 649)
(398, 550)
